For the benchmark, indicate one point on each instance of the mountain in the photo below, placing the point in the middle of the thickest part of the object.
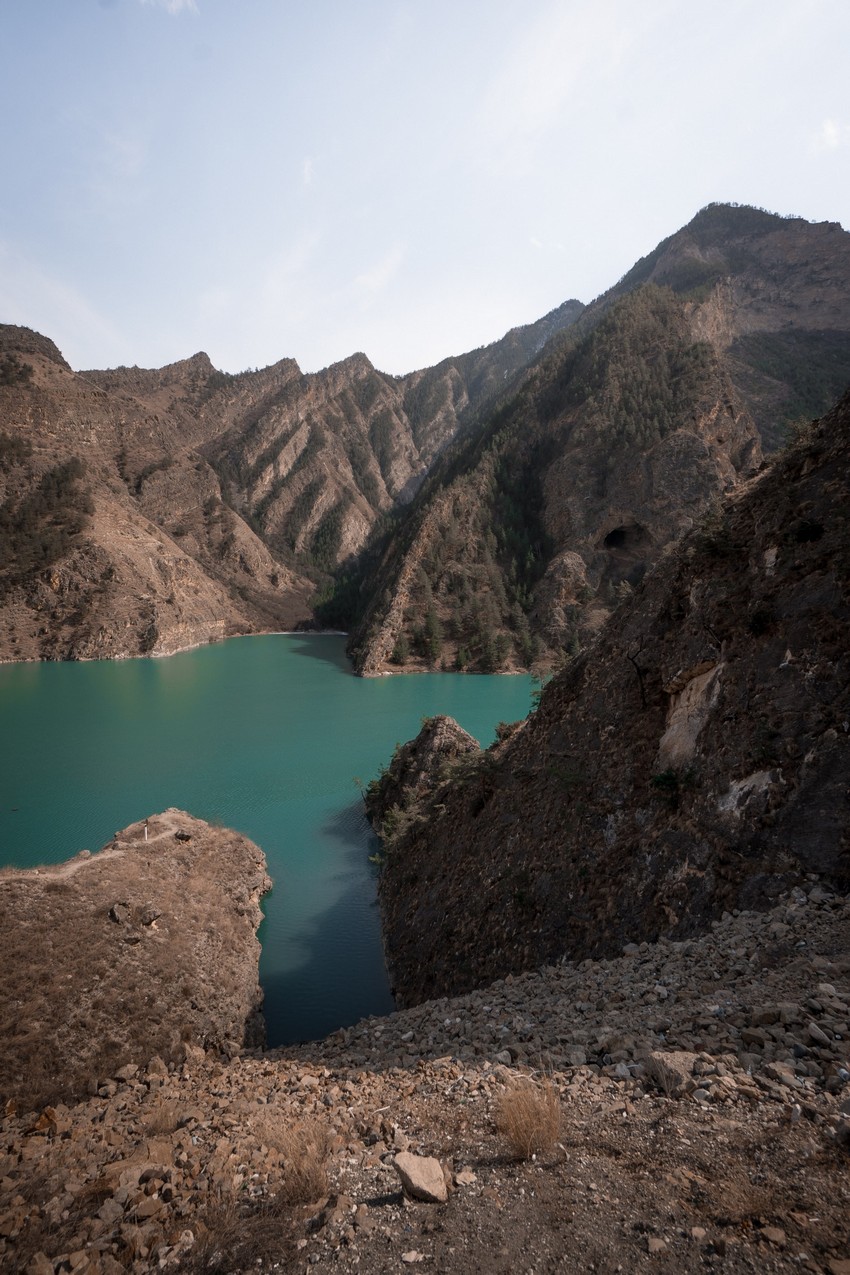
(142, 511)
(619, 439)
(693, 760)
(771, 293)
(485, 514)
(115, 539)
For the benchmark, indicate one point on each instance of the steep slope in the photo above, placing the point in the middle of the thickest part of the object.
(631, 423)
(523, 542)
(693, 760)
(111, 958)
(145, 510)
(774, 297)
(315, 465)
(115, 539)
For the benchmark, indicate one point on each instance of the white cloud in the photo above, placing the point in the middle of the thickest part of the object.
(831, 136)
(566, 54)
(376, 279)
(174, 6)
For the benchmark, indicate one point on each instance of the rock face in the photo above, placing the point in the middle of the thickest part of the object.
(146, 948)
(199, 504)
(653, 405)
(694, 759)
(417, 768)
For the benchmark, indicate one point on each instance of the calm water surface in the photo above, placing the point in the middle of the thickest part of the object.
(264, 734)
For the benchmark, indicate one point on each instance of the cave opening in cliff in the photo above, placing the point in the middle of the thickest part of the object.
(629, 538)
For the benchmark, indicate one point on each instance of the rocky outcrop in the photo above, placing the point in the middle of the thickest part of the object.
(216, 503)
(417, 769)
(654, 403)
(694, 759)
(146, 948)
(715, 1070)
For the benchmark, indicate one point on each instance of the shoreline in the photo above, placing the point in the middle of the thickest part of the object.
(197, 646)
(180, 650)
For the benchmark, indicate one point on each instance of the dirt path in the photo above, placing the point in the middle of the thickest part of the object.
(166, 825)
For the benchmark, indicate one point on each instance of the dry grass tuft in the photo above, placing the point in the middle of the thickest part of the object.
(305, 1149)
(528, 1116)
(164, 1118)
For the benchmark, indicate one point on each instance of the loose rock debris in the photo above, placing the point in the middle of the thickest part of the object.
(705, 1095)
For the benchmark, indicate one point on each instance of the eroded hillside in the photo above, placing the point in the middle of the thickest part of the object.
(651, 406)
(116, 540)
(142, 511)
(694, 758)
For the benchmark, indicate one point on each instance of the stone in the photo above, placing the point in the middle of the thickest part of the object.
(421, 1177)
(655, 1246)
(774, 1235)
(110, 1211)
(672, 1072)
(40, 1264)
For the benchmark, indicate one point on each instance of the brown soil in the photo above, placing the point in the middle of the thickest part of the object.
(111, 958)
(686, 1141)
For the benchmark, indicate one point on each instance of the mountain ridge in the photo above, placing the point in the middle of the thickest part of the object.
(692, 760)
(231, 503)
(759, 331)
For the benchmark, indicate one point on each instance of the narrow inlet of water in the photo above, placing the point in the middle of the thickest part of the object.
(269, 735)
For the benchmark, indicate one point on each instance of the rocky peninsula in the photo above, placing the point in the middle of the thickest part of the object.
(146, 948)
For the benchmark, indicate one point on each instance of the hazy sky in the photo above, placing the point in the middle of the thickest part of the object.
(410, 178)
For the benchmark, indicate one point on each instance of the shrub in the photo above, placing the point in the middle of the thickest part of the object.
(13, 371)
(304, 1148)
(528, 1117)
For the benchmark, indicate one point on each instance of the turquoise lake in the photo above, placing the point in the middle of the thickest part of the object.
(264, 734)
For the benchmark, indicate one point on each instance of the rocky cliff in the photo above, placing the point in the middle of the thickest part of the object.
(142, 511)
(694, 758)
(146, 948)
(416, 770)
(655, 402)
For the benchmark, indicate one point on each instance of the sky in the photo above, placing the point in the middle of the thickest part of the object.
(263, 179)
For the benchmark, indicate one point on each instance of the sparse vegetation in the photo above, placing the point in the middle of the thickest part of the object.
(13, 451)
(305, 1149)
(13, 371)
(528, 1117)
(42, 526)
